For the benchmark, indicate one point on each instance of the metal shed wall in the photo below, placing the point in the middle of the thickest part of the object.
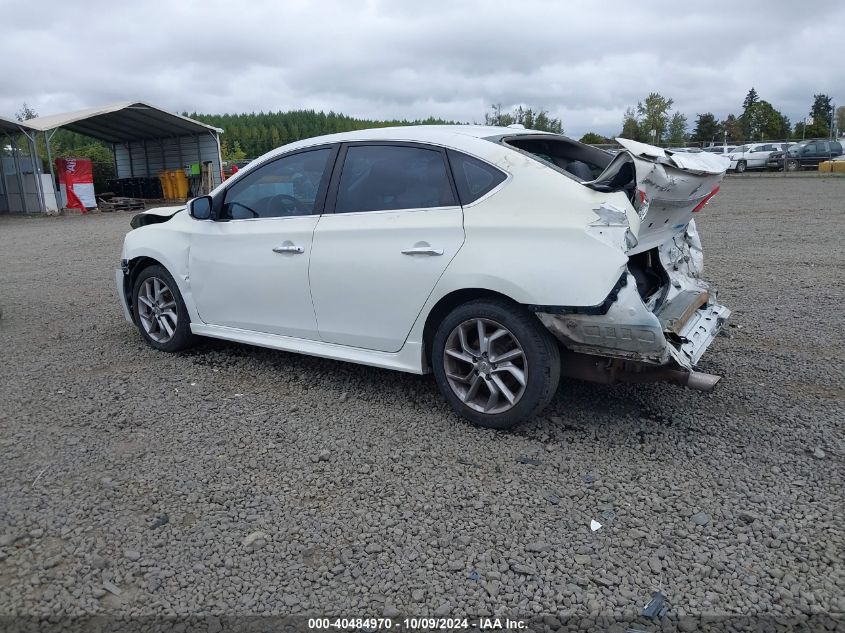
(148, 158)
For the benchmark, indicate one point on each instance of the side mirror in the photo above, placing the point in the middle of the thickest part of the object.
(200, 208)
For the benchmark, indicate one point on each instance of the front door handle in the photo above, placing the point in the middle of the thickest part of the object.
(289, 248)
(422, 250)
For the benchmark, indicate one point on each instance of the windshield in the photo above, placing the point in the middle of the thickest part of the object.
(741, 148)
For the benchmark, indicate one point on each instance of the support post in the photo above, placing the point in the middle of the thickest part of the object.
(56, 191)
(4, 188)
(131, 165)
(216, 138)
(36, 169)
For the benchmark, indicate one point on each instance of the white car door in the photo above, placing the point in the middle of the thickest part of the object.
(395, 226)
(758, 156)
(248, 268)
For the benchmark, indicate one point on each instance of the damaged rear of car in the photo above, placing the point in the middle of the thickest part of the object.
(660, 316)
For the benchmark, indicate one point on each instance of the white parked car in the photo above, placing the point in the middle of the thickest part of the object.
(720, 149)
(753, 155)
(495, 258)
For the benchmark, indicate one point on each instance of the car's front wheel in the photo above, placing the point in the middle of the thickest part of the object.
(792, 165)
(741, 166)
(495, 363)
(160, 312)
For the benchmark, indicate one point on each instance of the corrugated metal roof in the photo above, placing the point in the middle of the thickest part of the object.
(13, 127)
(123, 122)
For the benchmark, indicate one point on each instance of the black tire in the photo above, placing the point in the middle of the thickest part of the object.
(540, 349)
(182, 337)
(792, 165)
(741, 166)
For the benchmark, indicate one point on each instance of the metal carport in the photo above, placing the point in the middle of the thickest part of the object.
(21, 184)
(144, 139)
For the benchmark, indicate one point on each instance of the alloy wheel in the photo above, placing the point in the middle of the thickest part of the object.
(157, 309)
(485, 366)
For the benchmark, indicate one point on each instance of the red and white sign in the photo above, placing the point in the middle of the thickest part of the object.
(76, 182)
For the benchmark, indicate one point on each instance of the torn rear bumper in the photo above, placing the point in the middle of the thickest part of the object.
(675, 337)
(627, 330)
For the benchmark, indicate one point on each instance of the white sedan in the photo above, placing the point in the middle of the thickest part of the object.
(495, 258)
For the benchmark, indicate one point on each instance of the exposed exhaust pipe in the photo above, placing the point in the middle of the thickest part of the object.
(702, 381)
(607, 371)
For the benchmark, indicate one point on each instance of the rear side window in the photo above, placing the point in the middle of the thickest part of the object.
(473, 178)
(393, 177)
(836, 147)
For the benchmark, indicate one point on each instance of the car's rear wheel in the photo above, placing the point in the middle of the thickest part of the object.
(741, 166)
(792, 165)
(160, 312)
(495, 363)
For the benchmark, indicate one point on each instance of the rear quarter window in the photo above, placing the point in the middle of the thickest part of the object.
(473, 178)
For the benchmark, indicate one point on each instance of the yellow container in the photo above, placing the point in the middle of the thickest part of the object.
(166, 185)
(832, 167)
(181, 184)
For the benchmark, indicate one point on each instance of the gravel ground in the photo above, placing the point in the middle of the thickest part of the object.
(233, 480)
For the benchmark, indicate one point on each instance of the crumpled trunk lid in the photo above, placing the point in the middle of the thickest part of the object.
(666, 188)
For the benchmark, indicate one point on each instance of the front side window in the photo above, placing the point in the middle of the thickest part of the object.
(393, 177)
(286, 187)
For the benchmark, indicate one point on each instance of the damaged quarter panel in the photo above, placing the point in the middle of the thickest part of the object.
(672, 316)
(533, 243)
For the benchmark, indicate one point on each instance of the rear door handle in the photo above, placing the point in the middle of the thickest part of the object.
(422, 250)
(289, 248)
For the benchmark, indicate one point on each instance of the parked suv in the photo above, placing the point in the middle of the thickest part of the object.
(805, 154)
(496, 258)
(753, 155)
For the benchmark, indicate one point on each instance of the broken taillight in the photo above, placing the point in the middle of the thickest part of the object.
(705, 200)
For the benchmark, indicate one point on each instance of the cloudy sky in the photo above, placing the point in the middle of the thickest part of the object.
(583, 61)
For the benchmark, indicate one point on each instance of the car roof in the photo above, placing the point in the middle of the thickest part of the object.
(447, 135)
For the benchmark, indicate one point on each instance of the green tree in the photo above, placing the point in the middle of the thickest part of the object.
(653, 114)
(769, 123)
(733, 129)
(677, 129)
(236, 153)
(631, 126)
(529, 117)
(25, 113)
(592, 138)
(257, 133)
(840, 119)
(707, 129)
(822, 113)
(747, 118)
